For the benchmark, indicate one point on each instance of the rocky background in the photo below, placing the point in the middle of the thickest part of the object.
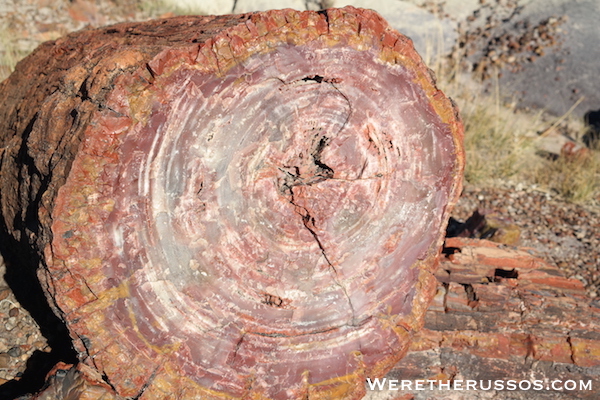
(542, 53)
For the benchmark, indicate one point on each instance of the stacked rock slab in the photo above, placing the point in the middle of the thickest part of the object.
(501, 314)
(242, 206)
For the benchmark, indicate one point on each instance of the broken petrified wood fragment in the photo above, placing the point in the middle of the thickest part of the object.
(245, 206)
(501, 314)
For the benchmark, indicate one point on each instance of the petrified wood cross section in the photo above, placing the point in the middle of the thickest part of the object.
(246, 206)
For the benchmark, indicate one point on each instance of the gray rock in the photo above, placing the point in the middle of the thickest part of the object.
(15, 352)
(557, 80)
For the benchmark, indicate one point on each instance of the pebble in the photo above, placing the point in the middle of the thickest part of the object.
(4, 360)
(39, 344)
(11, 323)
(44, 11)
(15, 352)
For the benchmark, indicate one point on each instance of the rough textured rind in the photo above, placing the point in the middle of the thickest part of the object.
(244, 206)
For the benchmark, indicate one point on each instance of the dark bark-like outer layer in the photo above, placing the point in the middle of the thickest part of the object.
(79, 118)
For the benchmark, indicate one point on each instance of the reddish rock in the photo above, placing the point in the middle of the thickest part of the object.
(529, 323)
(585, 352)
(457, 298)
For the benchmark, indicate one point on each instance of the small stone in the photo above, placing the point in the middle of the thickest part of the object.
(15, 352)
(4, 360)
(10, 324)
(4, 292)
(14, 312)
(39, 344)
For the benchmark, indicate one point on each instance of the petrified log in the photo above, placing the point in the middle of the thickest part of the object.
(237, 206)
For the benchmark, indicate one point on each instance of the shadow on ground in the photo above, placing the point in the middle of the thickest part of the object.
(21, 265)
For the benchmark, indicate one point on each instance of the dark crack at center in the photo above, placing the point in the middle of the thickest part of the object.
(323, 170)
(320, 172)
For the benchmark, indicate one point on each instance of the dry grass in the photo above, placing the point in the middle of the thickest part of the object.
(576, 178)
(501, 144)
(10, 52)
(498, 139)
